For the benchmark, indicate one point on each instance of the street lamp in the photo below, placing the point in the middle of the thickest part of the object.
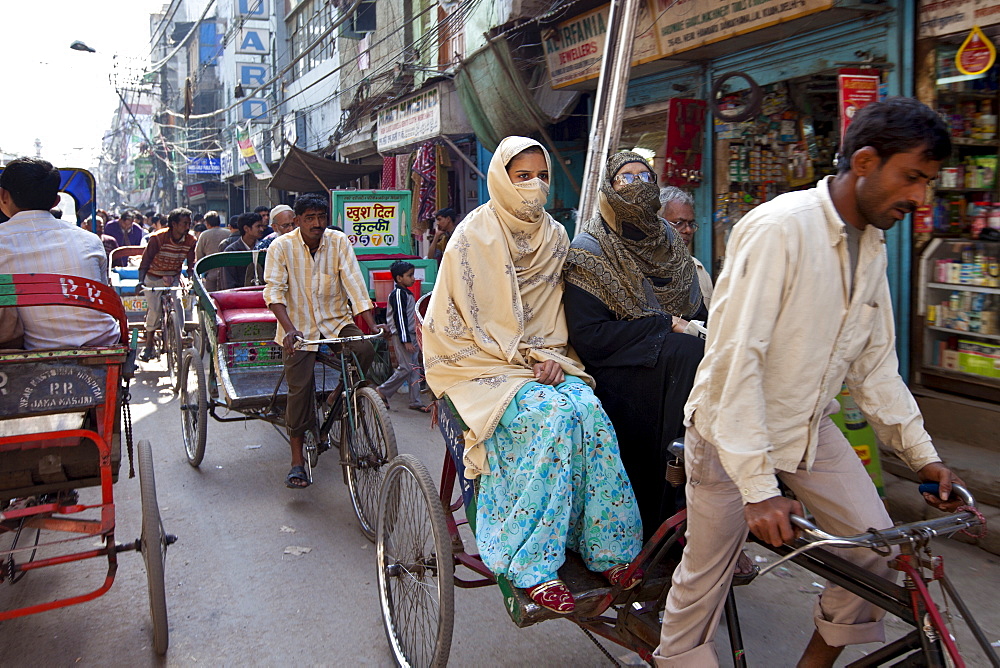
(80, 46)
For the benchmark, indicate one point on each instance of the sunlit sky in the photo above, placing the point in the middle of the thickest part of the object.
(64, 98)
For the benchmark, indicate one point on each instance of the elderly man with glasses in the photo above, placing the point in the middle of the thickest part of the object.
(677, 208)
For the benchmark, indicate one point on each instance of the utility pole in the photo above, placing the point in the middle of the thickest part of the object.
(609, 104)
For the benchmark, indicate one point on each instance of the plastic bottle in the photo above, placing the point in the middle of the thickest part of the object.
(853, 417)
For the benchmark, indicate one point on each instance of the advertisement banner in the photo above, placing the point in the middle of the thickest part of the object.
(976, 55)
(249, 153)
(682, 25)
(375, 221)
(946, 17)
(856, 89)
(573, 50)
(410, 121)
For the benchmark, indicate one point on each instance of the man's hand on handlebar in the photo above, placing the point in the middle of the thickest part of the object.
(383, 330)
(769, 519)
(945, 477)
(288, 343)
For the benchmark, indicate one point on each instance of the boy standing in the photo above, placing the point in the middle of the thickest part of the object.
(401, 316)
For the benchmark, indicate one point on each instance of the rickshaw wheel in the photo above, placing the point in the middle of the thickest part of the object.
(416, 569)
(154, 548)
(194, 407)
(174, 335)
(372, 445)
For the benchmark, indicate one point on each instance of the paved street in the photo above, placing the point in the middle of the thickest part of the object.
(234, 597)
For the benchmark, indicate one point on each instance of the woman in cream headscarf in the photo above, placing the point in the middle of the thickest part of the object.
(631, 290)
(495, 343)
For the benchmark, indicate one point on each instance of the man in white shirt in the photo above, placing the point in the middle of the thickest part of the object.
(803, 304)
(34, 241)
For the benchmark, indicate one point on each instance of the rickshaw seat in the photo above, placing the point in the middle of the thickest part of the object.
(237, 306)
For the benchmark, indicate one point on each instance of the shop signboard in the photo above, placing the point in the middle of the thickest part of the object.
(856, 89)
(410, 121)
(682, 25)
(946, 17)
(573, 50)
(375, 221)
(977, 53)
(203, 165)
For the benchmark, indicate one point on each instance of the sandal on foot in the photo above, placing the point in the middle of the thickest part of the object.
(553, 595)
(296, 476)
(616, 576)
(744, 578)
(422, 409)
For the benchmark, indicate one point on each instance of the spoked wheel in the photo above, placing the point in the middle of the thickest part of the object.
(194, 407)
(381, 367)
(372, 445)
(415, 566)
(154, 548)
(173, 337)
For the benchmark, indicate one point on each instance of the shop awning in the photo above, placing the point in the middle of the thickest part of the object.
(498, 103)
(304, 171)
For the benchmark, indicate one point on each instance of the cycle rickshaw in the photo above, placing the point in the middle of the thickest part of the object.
(60, 431)
(176, 328)
(242, 372)
(419, 546)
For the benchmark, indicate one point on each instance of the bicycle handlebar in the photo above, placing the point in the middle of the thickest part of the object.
(165, 288)
(904, 533)
(300, 342)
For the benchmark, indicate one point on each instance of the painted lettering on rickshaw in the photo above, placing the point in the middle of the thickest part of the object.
(72, 290)
(358, 212)
(61, 387)
(371, 239)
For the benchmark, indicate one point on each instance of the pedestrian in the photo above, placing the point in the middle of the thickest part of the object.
(208, 243)
(536, 437)
(126, 230)
(445, 222)
(265, 216)
(251, 230)
(400, 315)
(282, 219)
(802, 304)
(677, 208)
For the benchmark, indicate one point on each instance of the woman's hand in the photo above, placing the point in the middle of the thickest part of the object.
(679, 325)
(548, 373)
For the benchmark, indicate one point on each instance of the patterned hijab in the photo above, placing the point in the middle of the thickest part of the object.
(641, 256)
(496, 308)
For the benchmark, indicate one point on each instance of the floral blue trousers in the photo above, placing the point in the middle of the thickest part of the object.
(556, 482)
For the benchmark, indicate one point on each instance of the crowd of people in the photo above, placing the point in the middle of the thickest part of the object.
(573, 364)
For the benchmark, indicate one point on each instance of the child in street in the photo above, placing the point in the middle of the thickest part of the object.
(401, 318)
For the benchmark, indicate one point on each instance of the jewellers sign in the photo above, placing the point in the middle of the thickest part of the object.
(409, 121)
(573, 50)
(945, 17)
(687, 24)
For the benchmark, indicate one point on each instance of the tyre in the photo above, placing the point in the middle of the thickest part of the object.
(154, 548)
(194, 407)
(372, 445)
(173, 333)
(415, 566)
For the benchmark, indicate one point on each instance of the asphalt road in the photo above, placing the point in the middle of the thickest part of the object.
(236, 597)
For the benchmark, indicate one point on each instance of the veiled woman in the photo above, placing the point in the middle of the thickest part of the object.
(631, 292)
(495, 343)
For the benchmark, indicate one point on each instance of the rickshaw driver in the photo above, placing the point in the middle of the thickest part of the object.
(314, 287)
(160, 267)
(803, 304)
(34, 241)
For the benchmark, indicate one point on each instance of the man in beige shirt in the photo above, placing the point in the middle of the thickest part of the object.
(803, 304)
(314, 287)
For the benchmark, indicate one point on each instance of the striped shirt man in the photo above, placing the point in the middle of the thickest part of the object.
(164, 256)
(322, 291)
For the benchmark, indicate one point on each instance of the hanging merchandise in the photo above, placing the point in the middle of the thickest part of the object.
(977, 53)
(388, 172)
(425, 166)
(685, 138)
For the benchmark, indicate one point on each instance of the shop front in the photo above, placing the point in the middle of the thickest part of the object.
(956, 333)
(428, 147)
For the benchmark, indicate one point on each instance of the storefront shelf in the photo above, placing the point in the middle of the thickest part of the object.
(956, 374)
(964, 190)
(966, 288)
(968, 141)
(972, 95)
(975, 335)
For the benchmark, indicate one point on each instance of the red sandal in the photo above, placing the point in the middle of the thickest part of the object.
(616, 576)
(553, 595)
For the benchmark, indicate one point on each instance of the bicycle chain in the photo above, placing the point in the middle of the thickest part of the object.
(127, 415)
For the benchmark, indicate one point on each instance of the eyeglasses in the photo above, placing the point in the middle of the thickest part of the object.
(681, 223)
(629, 179)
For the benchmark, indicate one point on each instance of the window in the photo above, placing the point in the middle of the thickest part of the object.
(361, 22)
(310, 20)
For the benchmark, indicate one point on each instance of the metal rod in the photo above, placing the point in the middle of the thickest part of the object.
(466, 159)
(609, 105)
(970, 621)
(735, 636)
